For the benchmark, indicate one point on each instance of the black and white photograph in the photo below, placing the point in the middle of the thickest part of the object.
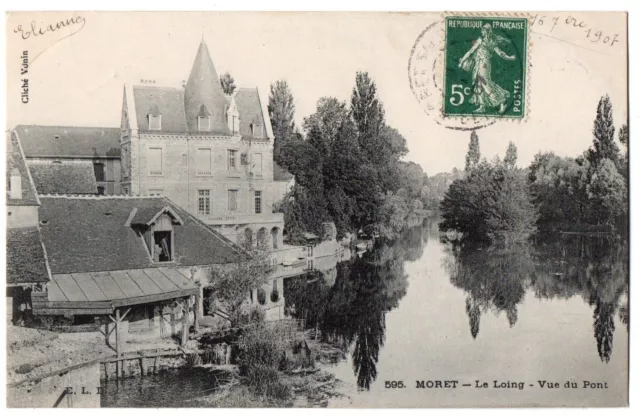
(317, 209)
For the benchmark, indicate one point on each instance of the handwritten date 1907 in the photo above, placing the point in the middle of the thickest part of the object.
(592, 34)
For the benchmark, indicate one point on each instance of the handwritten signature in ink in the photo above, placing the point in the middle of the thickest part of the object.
(35, 30)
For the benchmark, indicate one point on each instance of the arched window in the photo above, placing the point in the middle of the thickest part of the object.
(275, 237)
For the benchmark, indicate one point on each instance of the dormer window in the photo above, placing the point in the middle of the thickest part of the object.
(256, 130)
(204, 119)
(234, 124)
(233, 116)
(155, 118)
(162, 250)
(204, 123)
(157, 232)
(155, 122)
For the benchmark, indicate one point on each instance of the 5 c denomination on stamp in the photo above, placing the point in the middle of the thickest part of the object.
(485, 66)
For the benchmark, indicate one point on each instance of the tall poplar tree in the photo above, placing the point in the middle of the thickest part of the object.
(511, 157)
(604, 146)
(473, 154)
(281, 112)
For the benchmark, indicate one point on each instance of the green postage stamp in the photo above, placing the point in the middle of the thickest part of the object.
(485, 66)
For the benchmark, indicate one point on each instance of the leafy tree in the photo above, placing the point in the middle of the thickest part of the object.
(491, 203)
(412, 177)
(323, 126)
(511, 156)
(623, 138)
(512, 215)
(473, 154)
(347, 165)
(232, 284)
(227, 83)
(395, 210)
(604, 146)
(368, 115)
(281, 113)
(304, 207)
(467, 203)
(607, 193)
(558, 188)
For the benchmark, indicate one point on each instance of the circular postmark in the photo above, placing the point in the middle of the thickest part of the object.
(426, 76)
(467, 72)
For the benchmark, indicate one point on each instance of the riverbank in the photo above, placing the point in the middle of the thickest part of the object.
(303, 382)
(311, 389)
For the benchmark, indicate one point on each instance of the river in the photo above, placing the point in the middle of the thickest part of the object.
(424, 310)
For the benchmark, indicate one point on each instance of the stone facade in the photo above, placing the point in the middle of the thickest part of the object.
(221, 173)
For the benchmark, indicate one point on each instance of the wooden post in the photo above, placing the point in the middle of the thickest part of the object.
(196, 313)
(118, 343)
(142, 367)
(185, 321)
(173, 321)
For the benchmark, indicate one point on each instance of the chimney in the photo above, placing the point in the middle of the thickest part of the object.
(16, 184)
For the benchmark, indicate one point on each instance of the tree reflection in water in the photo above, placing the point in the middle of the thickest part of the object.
(496, 279)
(351, 313)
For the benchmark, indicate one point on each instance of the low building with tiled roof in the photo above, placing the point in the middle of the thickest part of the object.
(94, 234)
(69, 178)
(69, 145)
(130, 258)
(211, 153)
(27, 267)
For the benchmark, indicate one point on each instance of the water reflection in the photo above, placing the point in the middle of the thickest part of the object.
(350, 313)
(497, 279)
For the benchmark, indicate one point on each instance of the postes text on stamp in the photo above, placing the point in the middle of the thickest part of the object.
(485, 66)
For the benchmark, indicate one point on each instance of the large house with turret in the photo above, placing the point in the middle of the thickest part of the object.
(209, 152)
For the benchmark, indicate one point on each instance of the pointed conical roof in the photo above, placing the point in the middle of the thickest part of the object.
(203, 88)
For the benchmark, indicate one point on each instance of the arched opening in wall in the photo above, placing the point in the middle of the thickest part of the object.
(275, 237)
(248, 238)
(275, 294)
(263, 237)
(262, 296)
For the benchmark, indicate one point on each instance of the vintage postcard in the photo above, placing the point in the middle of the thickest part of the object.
(245, 209)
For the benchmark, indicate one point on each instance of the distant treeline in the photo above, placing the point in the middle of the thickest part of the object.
(498, 202)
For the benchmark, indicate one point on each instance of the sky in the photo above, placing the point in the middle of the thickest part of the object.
(77, 73)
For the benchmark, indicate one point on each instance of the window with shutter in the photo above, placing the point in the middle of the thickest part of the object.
(203, 162)
(154, 157)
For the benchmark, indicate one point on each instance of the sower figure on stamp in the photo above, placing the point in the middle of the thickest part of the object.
(478, 61)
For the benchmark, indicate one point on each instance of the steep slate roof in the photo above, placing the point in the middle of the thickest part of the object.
(203, 87)
(201, 96)
(250, 109)
(65, 178)
(169, 102)
(26, 261)
(40, 141)
(98, 240)
(15, 160)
